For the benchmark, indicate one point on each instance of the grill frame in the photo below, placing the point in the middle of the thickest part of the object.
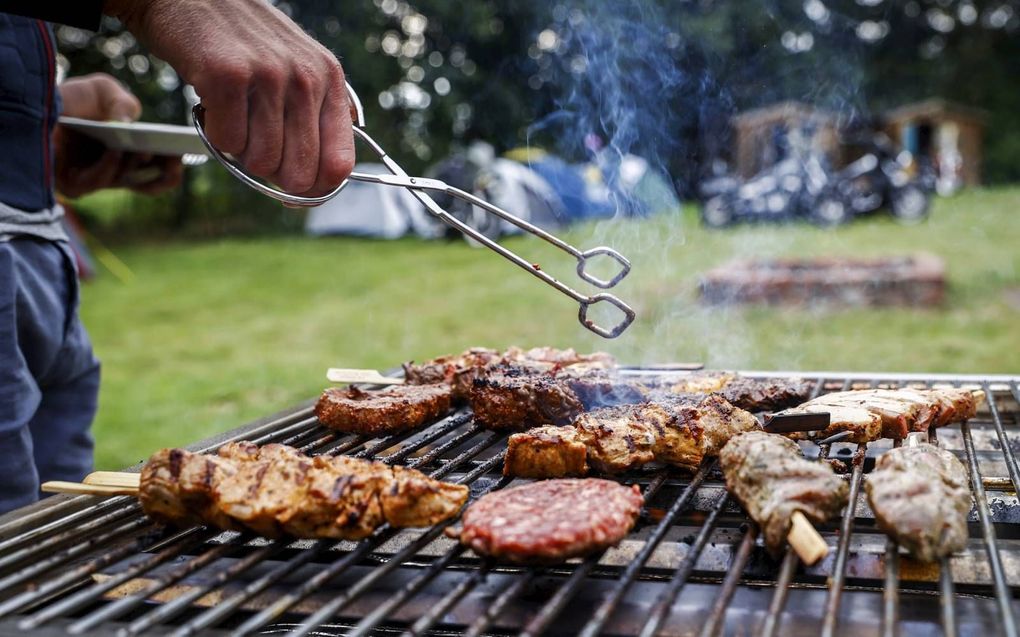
(65, 528)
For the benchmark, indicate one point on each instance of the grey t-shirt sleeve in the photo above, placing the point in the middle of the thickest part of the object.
(84, 14)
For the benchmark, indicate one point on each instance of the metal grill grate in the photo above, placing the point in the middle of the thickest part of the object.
(693, 565)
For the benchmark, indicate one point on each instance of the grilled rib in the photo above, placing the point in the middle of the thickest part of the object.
(768, 475)
(275, 491)
(460, 370)
(509, 397)
(387, 411)
(682, 432)
(921, 499)
(889, 413)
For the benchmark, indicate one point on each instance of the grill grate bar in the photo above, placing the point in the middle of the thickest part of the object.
(683, 571)
(786, 573)
(173, 608)
(450, 600)
(47, 546)
(1007, 450)
(717, 618)
(492, 613)
(843, 549)
(570, 587)
(373, 619)
(891, 593)
(434, 433)
(174, 546)
(115, 503)
(327, 611)
(612, 599)
(161, 582)
(948, 608)
(1003, 597)
(296, 431)
(31, 597)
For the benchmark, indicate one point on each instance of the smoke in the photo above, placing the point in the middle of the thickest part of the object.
(628, 80)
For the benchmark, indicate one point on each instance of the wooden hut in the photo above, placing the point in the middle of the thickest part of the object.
(947, 134)
(766, 135)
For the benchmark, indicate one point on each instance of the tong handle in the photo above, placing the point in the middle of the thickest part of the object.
(237, 170)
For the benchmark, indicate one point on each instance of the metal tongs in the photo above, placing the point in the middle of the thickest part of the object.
(418, 186)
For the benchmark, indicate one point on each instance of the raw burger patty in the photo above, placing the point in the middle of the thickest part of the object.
(391, 410)
(552, 520)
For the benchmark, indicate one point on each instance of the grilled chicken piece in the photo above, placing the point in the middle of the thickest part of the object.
(275, 490)
(460, 370)
(681, 432)
(768, 475)
(921, 499)
(378, 413)
(889, 413)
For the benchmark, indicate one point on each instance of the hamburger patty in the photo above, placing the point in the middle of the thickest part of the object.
(391, 410)
(552, 520)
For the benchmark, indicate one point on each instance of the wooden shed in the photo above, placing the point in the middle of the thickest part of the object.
(949, 135)
(766, 135)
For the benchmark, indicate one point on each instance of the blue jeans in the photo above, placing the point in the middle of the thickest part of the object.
(49, 377)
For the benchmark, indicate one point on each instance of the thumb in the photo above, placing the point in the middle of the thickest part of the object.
(123, 107)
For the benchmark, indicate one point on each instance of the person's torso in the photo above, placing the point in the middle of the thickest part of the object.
(29, 106)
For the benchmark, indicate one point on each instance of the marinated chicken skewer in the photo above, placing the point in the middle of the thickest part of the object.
(868, 415)
(777, 486)
(276, 491)
(920, 495)
(679, 431)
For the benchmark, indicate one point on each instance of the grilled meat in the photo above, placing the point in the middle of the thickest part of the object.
(551, 521)
(889, 413)
(679, 431)
(921, 499)
(460, 370)
(752, 394)
(517, 398)
(387, 411)
(275, 491)
(768, 475)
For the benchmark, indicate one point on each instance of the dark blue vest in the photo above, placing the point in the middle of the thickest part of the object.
(29, 105)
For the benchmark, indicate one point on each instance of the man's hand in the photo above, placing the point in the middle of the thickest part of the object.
(84, 165)
(274, 97)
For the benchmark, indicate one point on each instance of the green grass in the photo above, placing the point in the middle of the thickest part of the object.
(208, 336)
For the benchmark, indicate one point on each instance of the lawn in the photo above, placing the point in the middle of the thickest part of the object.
(208, 336)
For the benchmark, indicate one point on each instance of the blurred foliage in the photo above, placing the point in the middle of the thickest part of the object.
(659, 78)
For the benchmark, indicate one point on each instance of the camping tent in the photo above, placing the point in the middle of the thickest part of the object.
(371, 210)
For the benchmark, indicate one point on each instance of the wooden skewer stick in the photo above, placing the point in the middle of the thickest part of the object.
(366, 376)
(805, 540)
(98, 483)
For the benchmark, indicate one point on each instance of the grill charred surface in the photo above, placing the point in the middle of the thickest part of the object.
(377, 413)
(551, 521)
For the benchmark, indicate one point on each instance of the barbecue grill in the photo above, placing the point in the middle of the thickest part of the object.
(692, 565)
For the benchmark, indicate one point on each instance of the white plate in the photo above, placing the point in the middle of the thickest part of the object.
(141, 137)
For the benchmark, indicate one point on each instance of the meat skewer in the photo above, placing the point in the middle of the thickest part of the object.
(276, 491)
(921, 497)
(871, 414)
(681, 431)
(782, 491)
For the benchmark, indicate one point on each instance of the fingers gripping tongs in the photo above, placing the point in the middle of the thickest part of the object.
(419, 187)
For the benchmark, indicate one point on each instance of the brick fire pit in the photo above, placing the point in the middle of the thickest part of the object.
(915, 281)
